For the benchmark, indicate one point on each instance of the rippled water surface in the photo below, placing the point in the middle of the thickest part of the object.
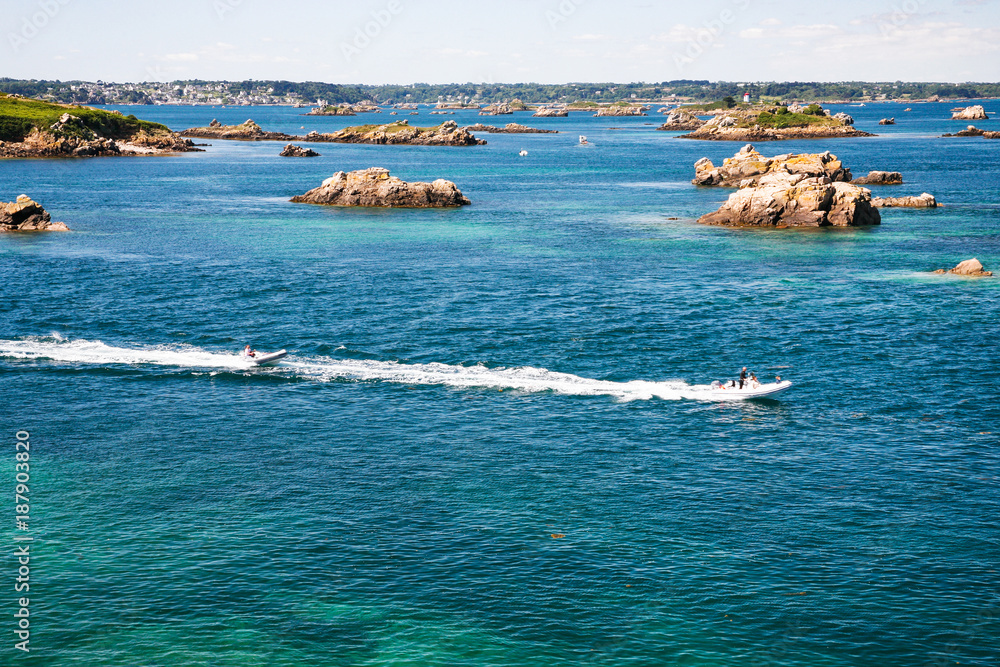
(487, 444)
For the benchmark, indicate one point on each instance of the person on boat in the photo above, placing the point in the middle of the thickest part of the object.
(247, 352)
(743, 377)
(754, 383)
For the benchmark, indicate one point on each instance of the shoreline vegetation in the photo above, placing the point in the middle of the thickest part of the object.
(471, 95)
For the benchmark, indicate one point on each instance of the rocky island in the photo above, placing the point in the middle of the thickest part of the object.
(748, 166)
(806, 190)
(774, 124)
(620, 109)
(247, 131)
(510, 128)
(880, 178)
(33, 128)
(973, 131)
(26, 215)
(553, 112)
(331, 110)
(398, 132)
(291, 150)
(975, 112)
(374, 187)
(925, 200)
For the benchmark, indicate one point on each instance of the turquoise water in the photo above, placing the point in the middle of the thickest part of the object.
(483, 449)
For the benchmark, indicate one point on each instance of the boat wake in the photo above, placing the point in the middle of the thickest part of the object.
(329, 369)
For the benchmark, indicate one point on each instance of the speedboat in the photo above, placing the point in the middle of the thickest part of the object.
(748, 391)
(267, 358)
(583, 140)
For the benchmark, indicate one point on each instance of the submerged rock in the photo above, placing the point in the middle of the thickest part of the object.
(783, 199)
(376, 188)
(27, 215)
(925, 200)
(976, 112)
(970, 267)
(748, 166)
(880, 178)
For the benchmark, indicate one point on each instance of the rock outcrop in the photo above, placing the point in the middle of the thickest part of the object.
(970, 267)
(510, 128)
(925, 200)
(880, 178)
(291, 150)
(887, 121)
(26, 215)
(374, 187)
(976, 112)
(748, 166)
(844, 118)
(973, 131)
(247, 131)
(681, 121)
(620, 110)
(795, 200)
(551, 113)
(400, 132)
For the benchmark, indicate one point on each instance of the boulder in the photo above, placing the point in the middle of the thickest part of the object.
(887, 121)
(374, 187)
(976, 112)
(880, 178)
(291, 150)
(923, 201)
(26, 215)
(681, 121)
(844, 118)
(748, 166)
(970, 267)
(782, 199)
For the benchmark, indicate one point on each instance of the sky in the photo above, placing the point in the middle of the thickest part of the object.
(513, 41)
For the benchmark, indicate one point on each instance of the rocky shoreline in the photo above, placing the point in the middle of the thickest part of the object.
(375, 187)
(748, 166)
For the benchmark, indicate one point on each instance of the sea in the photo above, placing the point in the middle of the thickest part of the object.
(484, 447)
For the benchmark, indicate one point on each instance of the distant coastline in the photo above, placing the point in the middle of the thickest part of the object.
(288, 93)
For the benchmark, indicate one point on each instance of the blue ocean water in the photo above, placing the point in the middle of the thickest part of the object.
(481, 449)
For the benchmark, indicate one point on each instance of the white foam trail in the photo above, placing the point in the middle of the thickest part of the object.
(326, 369)
(96, 352)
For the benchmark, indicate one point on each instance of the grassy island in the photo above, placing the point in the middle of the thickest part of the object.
(19, 116)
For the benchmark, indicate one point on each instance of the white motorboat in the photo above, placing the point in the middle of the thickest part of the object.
(266, 358)
(718, 392)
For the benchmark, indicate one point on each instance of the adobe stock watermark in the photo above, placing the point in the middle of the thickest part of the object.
(35, 23)
(898, 17)
(710, 32)
(363, 35)
(562, 13)
(223, 7)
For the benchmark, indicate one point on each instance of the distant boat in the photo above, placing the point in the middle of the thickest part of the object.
(583, 140)
(523, 153)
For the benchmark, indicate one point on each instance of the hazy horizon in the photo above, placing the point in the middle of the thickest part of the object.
(550, 42)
